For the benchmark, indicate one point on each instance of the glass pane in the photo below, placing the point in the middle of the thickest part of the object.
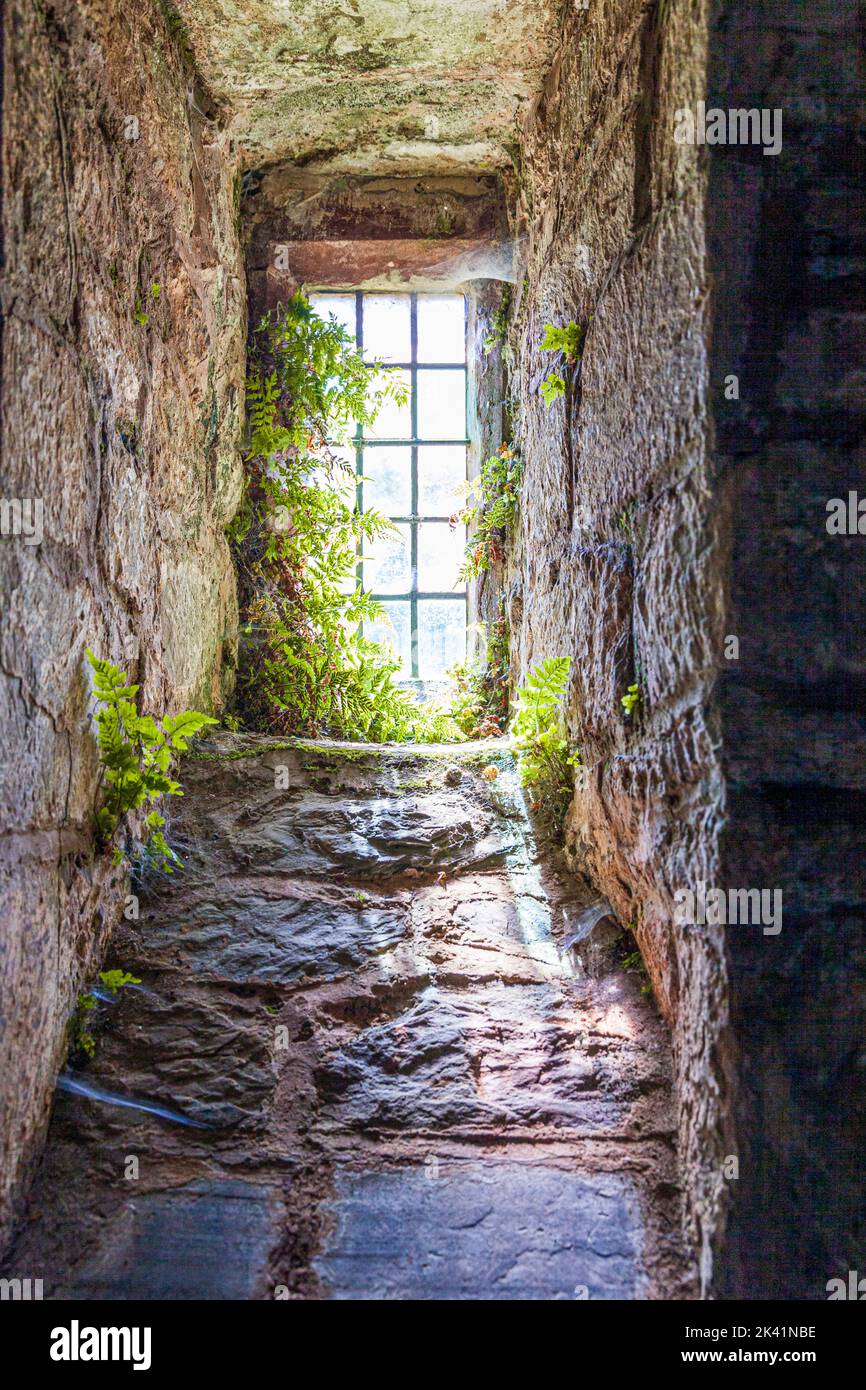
(388, 480)
(387, 327)
(441, 328)
(441, 405)
(388, 563)
(394, 422)
(393, 630)
(440, 555)
(441, 471)
(441, 635)
(342, 306)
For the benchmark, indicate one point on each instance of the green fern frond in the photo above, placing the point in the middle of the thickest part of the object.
(135, 756)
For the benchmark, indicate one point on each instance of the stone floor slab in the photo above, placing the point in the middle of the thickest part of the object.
(206, 1240)
(482, 1231)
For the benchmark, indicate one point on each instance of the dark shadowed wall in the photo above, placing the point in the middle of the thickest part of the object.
(786, 251)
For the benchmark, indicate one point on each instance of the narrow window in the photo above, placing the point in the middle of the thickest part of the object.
(410, 466)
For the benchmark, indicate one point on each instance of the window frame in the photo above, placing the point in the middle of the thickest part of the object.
(360, 444)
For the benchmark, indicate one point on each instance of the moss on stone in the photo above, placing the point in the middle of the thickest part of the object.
(323, 754)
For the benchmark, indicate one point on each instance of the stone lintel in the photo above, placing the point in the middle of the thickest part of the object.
(402, 263)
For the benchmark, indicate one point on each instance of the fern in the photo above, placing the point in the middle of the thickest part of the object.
(135, 754)
(311, 368)
(491, 508)
(543, 754)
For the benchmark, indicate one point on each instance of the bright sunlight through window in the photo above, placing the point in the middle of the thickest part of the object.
(410, 467)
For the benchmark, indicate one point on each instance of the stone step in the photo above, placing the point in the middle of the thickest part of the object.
(406, 1084)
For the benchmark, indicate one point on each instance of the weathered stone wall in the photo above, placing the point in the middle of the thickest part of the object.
(617, 563)
(786, 246)
(117, 178)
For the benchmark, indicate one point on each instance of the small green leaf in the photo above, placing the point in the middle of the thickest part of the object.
(565, 340)
(630, 699)
(116, 979)
(552, 388)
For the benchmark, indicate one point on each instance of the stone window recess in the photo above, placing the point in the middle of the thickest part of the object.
(411, 466)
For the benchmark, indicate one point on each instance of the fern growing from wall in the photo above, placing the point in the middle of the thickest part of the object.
(544, 756)
(489, 511)
(136, 755)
